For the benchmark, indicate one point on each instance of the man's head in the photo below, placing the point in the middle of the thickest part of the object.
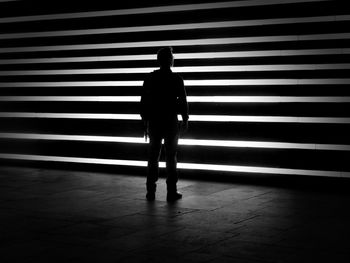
(165, 57)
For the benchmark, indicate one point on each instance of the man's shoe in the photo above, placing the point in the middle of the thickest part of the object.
(150, 196)
(173, 196)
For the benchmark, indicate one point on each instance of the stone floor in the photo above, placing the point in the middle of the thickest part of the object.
(70, 216)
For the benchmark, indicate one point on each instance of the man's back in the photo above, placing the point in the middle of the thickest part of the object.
(164, 96)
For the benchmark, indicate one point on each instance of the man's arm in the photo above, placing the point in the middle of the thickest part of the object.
(144, 100)
(144, 107)
(183, 107)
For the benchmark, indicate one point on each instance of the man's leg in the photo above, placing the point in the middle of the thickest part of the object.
(155, 145)
(171, 143)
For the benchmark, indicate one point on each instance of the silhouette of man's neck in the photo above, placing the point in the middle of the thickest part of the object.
(165, 68)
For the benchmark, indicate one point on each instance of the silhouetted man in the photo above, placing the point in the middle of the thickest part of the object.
(163, 98)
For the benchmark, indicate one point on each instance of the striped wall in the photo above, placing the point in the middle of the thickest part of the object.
(267, 83)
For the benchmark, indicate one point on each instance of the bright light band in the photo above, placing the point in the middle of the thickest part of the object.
(202, 82)
(188, 142)
(192, 99)
(189, 26)
(195, 69)
(189, 166)
(179, 56)
(184, 42)
(151, 10)
(202, 118)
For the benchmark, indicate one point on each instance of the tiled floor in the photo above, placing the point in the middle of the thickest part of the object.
(69, 216)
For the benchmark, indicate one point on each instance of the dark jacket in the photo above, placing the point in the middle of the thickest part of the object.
(163, 97)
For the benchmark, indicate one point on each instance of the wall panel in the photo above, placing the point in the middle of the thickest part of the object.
(267, 83)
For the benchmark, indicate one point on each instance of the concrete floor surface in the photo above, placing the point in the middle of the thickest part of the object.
(70, 216)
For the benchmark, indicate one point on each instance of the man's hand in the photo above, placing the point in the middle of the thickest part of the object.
(145, 130)
(184, 127)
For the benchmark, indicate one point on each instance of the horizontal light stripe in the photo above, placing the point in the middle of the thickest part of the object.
(70, 115)
(188, 26)
(73, 98)
(151, 10)
(213, 99)
(72, 84)
(204, 118)
(101, 116)
(280, 119)
(199, 55)
(195, 69)
(191, 166)
(184, 42)
(189, 142)
(267, 99)
(203, 82)
(259, 144)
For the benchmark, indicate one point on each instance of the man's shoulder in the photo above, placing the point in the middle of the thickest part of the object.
(154, 74)
(177, 76)
(158, 74)
(151, 75)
